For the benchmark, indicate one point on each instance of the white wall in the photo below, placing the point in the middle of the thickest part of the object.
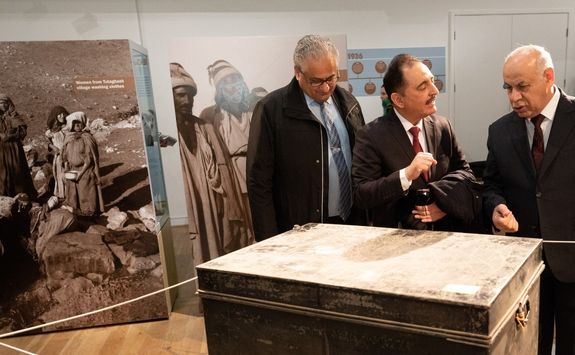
(367, 24)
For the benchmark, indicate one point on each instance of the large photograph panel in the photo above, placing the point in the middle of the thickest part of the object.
(216, 83)
(76, 211)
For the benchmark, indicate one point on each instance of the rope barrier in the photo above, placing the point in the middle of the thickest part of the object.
(5, 335)
(17, 349)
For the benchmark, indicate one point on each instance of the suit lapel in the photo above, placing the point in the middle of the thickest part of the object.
(561, 130)
(432, 140)
(518, 135)
(398, 133)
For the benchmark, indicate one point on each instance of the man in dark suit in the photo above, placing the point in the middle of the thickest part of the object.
(528, 183)
(388, 168)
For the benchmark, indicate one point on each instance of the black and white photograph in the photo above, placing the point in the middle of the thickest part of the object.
(216, 83)
(77, 216)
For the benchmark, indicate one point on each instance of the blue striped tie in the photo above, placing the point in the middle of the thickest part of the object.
(339, 159)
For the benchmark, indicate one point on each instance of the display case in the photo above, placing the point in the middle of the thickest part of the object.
(144, 92)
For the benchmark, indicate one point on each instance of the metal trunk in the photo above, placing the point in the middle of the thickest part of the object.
(332, 289)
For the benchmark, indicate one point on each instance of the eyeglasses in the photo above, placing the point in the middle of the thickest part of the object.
(316, 82)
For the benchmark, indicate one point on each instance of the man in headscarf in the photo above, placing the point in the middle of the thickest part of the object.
(14, 172)
(232, 114)
(217, 218)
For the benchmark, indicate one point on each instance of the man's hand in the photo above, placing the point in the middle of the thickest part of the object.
(429, 213)
(421, 163)
(504, 220)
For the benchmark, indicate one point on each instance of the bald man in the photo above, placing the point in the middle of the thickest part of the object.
(528, 183)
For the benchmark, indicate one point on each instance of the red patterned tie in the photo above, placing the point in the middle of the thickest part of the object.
(538, 146)
(417, 146)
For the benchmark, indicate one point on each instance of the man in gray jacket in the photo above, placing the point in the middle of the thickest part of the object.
(300, 145)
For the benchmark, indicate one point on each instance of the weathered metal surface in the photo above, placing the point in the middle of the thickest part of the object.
(410, 292)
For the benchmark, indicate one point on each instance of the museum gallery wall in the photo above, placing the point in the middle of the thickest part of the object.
(216, 82)
(77, 219)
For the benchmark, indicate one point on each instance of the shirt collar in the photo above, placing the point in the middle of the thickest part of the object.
(549, 110)
(406, 124)
(310, 102)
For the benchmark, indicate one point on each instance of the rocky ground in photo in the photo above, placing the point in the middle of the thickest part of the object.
(83, 265)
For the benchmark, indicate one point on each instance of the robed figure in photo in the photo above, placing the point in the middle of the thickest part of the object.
(217, 217)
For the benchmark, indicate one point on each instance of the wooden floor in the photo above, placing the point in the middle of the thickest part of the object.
(183, 333)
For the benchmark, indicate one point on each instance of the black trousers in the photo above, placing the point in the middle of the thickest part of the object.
(556, 312)
(335, 220)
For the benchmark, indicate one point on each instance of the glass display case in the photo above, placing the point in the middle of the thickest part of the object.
(147, 110)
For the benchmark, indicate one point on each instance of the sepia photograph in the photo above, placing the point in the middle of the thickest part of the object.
(78, 220)
(216, 84)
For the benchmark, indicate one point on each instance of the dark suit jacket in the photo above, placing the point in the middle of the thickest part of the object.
(543, 205)
(383, 148)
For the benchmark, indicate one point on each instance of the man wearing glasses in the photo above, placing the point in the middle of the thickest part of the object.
(300, 145)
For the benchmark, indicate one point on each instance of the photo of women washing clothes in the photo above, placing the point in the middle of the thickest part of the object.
(78, 227)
